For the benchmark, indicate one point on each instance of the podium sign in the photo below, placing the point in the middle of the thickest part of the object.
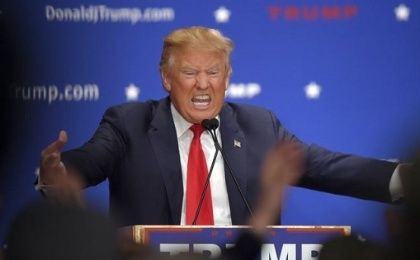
(282, 242)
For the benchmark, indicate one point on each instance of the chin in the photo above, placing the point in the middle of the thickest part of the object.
(198, 119)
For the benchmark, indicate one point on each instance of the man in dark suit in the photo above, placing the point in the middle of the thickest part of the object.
(144, 148)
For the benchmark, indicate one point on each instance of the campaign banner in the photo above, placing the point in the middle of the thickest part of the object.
(282, 242)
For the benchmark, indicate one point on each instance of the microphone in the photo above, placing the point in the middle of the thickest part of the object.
(211, 125)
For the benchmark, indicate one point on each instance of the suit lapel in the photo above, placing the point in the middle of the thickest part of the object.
(163, 138)
(234, 146)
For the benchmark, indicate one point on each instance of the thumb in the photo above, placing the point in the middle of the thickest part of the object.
(62, 137)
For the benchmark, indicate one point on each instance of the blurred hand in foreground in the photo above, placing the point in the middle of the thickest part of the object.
(283, 166)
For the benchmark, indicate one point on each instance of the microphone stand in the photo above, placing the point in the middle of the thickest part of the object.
(218, 147)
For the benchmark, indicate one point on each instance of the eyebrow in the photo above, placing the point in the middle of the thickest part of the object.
(187, 67)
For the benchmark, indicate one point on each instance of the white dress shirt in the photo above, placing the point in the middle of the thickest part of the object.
(219, 195)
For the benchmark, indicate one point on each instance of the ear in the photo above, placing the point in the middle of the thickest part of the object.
(227, 80)
(165, 81)
(229, 73)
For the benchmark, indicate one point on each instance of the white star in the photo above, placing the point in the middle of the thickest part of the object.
(132, 92)
(402, 12)
(222, 15)
(312, 90)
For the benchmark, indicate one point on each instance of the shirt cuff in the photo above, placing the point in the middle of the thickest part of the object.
(395, 185)
(39, 185)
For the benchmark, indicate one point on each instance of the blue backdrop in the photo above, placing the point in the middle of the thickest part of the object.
(342, 74)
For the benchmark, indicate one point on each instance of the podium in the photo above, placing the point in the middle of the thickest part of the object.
(282, 242)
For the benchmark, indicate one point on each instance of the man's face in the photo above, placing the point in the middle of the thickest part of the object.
(196, 83)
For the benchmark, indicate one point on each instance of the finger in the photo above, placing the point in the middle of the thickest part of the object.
(56, 145)
(51, 160)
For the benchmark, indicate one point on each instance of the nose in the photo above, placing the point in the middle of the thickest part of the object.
(202, 81)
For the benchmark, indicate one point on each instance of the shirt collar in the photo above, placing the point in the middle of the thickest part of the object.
(181, 125)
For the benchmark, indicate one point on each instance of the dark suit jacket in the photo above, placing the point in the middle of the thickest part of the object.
(135, 147)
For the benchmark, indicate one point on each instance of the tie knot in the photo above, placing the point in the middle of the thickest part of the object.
(197, 129)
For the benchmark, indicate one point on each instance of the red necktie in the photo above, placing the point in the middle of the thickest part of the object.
(196, 179)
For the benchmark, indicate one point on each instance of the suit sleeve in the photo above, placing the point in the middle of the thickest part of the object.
(342, 174)
(98, 158)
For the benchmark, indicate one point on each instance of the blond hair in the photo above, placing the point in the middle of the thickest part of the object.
(196, 38)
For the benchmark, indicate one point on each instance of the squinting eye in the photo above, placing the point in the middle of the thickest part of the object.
(189, 73)
(213, 73)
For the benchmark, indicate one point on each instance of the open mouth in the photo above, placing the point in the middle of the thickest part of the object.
(201, 101)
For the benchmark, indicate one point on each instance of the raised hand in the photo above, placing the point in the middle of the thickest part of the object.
(51, 166)
(283, 166)
(60, 185)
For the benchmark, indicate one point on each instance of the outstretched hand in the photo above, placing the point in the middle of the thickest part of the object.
(61, 186)
(51, 166)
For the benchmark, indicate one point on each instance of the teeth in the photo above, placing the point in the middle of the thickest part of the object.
(201, 101)
(201, 98)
